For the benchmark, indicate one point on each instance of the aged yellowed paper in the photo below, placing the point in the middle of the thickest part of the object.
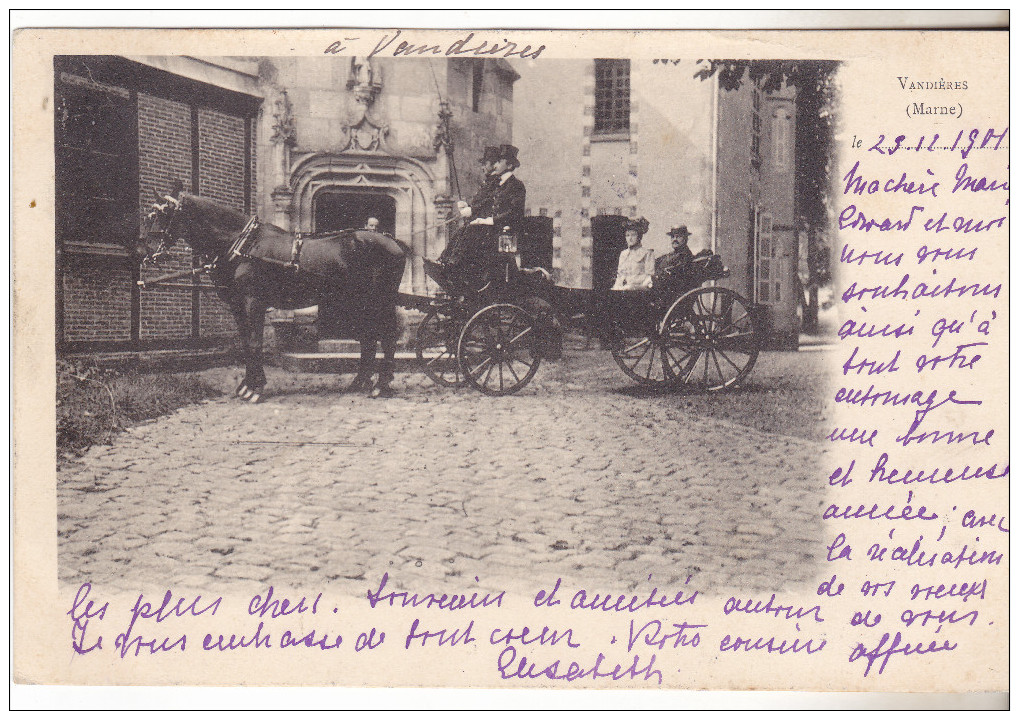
(701, 380)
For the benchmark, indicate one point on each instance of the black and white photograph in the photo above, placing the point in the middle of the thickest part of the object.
(500, 320)
(516, 359)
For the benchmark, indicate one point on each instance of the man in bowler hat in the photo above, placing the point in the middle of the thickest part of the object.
(675, 262)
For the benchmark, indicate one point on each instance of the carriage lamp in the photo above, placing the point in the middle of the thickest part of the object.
(507, 242)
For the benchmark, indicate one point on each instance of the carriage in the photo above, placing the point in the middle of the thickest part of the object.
(493, 334)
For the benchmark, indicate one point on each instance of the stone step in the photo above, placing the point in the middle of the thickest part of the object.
(338, 345)
(406, 361)
(350, 345)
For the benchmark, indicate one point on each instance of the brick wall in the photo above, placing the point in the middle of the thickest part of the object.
(164, 146)
(215, 317)
(221, 157)
(97, 291)
(97, 302)
(164, 155)
(221, 177)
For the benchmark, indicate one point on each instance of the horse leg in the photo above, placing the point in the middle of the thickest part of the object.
(388, 332)
(387, 325)
(366, 365)
(236, 303)
(362, 382)
(254, 374)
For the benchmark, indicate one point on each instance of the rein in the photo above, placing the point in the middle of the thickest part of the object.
(204, 269)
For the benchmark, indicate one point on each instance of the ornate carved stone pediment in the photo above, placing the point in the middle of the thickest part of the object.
(365, 136)
(283, 130)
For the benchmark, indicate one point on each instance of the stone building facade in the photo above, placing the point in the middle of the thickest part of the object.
(603, 140)
(349, 136)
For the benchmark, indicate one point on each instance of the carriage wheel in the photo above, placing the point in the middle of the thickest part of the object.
(709, 338)
(499, 350)
(640, 356)
(437, 337)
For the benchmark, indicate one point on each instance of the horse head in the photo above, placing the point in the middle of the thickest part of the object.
(159, 232)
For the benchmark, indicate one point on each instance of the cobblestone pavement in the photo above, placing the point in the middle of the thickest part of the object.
(579, 476)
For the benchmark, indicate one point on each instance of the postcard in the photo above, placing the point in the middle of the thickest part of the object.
(512, 359)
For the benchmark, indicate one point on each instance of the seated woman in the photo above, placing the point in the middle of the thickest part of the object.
(636, 264)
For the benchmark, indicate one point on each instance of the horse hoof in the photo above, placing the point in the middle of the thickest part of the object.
(360, 385)
(381, 391)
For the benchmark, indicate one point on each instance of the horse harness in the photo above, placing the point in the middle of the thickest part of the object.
(241, 246)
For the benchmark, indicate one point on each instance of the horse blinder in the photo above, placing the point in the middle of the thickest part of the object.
(158, 240)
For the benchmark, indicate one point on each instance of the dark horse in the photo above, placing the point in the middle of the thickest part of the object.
(255, 266)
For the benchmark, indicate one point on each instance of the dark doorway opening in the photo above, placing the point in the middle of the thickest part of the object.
(349, 209)
(608, 237)
(536, 245)
(352, 208)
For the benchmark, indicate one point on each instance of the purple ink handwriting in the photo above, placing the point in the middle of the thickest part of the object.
(439, 601)
(882, 652)
(610, 602)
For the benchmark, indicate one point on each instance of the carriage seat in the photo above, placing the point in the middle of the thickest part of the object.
(705, 266)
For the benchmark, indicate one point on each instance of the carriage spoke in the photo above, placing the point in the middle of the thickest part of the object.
(718, 367)
(498, 337)
(436, 339)
(513, 372)
(444, 355)
(678, 362)
(688, 373)
(488, 374)
(722, 353)
(688, 368)
(482, 364)
(640, 343)
(651, 361)
(519, 336)
(643, 353)
(683, 341)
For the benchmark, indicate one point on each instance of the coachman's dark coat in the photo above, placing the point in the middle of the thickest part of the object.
(504, 203)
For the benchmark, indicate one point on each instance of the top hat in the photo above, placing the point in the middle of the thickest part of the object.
(679, 231)
(508, 152)
(640, 225)
(491, 154)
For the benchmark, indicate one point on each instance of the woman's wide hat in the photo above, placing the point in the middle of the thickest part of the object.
(640, 225)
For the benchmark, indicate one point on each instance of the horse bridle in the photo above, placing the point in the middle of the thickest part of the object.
(165, 241)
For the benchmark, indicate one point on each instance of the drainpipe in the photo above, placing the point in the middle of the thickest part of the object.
(714, 162)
